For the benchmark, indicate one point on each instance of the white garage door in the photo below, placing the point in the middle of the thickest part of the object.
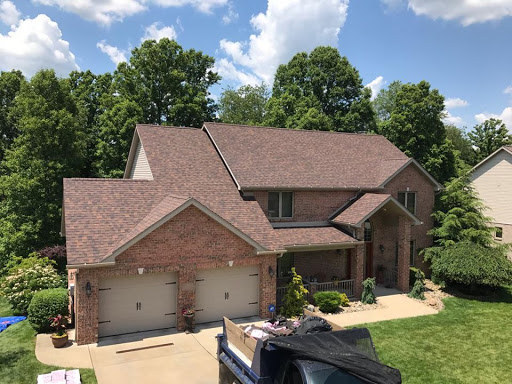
(231, 292)
(137, 303)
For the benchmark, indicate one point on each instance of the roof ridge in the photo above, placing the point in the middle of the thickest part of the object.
(166, 126)
(295, 130)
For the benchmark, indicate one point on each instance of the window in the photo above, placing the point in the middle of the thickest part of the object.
(498, 235)
(412, 252)
(408, 200)
(280, 204)
(367, 231)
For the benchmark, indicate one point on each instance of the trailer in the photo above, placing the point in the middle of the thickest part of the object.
(345, 356)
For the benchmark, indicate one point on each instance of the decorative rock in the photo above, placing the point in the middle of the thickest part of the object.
(311, 308)
(432, 302)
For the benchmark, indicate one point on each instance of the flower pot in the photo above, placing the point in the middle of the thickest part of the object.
(59, 341)
(189, 322)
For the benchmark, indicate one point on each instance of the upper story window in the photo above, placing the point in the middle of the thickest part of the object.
(280, 204)
(498, 234)
(368, 231)
(408, 200)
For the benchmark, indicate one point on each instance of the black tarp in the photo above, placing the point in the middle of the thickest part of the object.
(351, 350)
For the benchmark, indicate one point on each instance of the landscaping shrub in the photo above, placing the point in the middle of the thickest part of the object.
(344, 300)
(368, 296)
(31, 275)
(47, 304)
(418, 287)
(328, 301)
(412, 275)
(293, 300)
(56, 253)
(472, 265)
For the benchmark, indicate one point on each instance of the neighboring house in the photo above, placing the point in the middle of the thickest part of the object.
(215, 218)
(492, 179)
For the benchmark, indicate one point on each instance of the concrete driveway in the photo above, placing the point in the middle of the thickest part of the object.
(159, 356)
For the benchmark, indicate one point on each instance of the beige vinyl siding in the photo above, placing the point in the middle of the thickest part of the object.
(493, 181)
(507, 235)
(140, 166)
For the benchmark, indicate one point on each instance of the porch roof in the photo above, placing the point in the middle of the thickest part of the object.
(357, 212)
(326, 237)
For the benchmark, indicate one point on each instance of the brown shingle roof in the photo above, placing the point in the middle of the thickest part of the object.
(265, 157)
(312, 236)
(356, 212)
(103, 214)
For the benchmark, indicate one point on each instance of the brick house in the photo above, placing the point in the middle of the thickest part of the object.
(215, 218)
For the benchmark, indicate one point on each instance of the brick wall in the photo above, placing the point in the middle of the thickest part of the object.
(417, 182)
(322, 264)
(190, 241)
(309, 205)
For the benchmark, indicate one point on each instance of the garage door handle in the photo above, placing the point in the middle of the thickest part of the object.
(228, 295)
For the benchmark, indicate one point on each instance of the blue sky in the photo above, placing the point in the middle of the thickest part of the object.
(462, 47)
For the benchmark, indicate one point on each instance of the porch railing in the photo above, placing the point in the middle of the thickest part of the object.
(343, 286)
(281, 292)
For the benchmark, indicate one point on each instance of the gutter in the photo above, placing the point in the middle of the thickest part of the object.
(274, 252)
(89, 266)
(320, 247)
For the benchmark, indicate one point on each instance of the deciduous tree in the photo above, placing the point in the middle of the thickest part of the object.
(488, 137)
(10, 84)
(245, 105)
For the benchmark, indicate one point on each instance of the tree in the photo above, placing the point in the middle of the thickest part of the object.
(320, 91)
(89, 91)
(294, 300)
(488, 137)
(10, 84)
(411, 118)
(170, 84)
(117, 128)
(462, 230)
(461, 143)
(50, 146)
(245, 105)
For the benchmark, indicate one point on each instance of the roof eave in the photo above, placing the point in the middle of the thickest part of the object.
(320, 247)
(489, 157)
(131, 154)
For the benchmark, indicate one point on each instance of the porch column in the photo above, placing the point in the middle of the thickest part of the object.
(404, 239)
(358, 268)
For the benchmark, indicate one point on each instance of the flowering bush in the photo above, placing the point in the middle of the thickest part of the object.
(30, 276)
(187, 311)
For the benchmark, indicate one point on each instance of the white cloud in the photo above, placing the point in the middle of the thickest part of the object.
(116, 55)
(228, 71)
(9, 14)
(456, 102)
(287, 27)
(464, 11)
(505, 116)
(106, 12)
(36, 44)
(508, 90)
(392, 4)
(376, 85)
(156, 31)
(453, 120)
(231, 16)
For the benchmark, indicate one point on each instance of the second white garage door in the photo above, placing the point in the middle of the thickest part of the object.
(231, 292)
(137, 303)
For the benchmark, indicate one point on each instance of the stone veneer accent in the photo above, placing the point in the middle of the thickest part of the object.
(189, 241)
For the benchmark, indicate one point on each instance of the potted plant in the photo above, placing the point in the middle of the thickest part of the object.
(60, 336)
(188, 314)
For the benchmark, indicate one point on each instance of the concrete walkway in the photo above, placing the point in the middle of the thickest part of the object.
(70, 356)
(394, 305)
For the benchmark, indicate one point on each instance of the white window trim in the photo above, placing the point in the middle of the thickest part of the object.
(415, 200)
(496, 234)
(281, 205)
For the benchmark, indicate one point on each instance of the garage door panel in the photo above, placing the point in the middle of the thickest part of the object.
(231, 292)
(137, 303)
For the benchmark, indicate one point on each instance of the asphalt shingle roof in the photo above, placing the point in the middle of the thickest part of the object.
(312, 236)
(356, 212)
(264, 157)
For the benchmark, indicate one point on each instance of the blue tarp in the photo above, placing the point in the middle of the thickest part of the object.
(6, 321)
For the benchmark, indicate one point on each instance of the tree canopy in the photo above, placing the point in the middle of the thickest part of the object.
(488, 137)
(170, 84)
(10, 84)
(245, 105)
(49, 147)
(411, 118)
(320, 91)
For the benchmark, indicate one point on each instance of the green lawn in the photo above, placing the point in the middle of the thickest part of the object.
(470, 341)
(18, 363)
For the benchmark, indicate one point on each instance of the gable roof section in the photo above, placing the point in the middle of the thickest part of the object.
(507, 149)
(270, 158)
(355, 213)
